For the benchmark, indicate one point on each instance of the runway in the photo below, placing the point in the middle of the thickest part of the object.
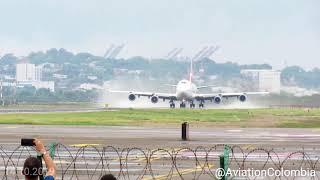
(151, 137)
(159, 153)
(47, 110)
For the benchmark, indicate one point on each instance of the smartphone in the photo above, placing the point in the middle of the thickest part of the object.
(27, 142)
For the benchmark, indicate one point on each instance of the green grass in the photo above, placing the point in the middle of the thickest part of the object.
(292, 118)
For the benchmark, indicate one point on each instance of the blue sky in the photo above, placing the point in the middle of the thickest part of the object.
(248, 31)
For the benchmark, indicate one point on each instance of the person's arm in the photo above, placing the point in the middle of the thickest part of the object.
(51, 167)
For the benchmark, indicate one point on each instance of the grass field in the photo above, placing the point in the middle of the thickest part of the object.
(293, 118)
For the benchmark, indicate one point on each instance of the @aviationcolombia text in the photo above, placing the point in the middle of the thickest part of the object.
(270, 172)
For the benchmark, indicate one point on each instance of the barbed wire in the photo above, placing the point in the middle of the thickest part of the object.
(92, 162)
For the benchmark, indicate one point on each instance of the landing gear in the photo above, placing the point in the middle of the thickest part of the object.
(172, 105)
(192, 105)
(201, 105)
(182, 105)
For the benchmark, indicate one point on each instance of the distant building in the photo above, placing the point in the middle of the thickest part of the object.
(60, 76)
(298, 91)
(28, 72)
(38, 85)
(137, 72)
(92, 77)
(89, 86)
(264, 80)
(31, 75)
(7, 77)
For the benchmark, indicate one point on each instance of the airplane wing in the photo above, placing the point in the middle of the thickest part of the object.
(208, 86)
(211, 96)
(242, 93)
(164, 96)
(171, 85)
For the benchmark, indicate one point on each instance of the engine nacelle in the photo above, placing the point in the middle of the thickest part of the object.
(132, 97)
(154, 99)
(217, 99)
(243, 98)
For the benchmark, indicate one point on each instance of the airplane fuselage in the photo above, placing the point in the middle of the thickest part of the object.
(185, 91)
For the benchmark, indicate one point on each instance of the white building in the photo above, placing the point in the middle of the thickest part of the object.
(38, 85)
(60, 76)
(89, 86)
(265, 80)
(28, 72)
(30, 75)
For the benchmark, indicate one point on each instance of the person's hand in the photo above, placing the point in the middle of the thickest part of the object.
(39, 146)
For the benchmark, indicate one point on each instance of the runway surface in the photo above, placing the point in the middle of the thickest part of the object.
(149, 137)
(47, 110)
(169, 163)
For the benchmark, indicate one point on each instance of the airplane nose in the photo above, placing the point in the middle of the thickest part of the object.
(184, 94)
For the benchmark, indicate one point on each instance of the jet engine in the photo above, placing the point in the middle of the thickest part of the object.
(243, 98)
(154, 99)
(132, 97)
(217, 99)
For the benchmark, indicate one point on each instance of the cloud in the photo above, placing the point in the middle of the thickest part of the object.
(248, 31)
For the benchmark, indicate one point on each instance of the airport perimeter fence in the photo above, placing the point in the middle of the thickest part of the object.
(91, 162)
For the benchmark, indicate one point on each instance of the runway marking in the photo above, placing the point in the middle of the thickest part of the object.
(10, 127)
(235, 130)
(250, 146)
(62, 162)
(182, 172)
(174, 150)
(84, 145)
(142, 158)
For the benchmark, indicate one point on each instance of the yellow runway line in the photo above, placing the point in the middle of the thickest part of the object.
(182, 172)
(249, 147)
(10, 127)
(84, 145)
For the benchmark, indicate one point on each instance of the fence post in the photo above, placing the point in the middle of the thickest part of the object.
(226, 152)
(185, 131)
(52, 149)
(224, 160)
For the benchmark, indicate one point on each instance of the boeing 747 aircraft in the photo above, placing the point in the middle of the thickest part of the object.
(187, 92)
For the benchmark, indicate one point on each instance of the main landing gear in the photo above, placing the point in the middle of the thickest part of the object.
(172, 105)
(201, 105)
(192, 105)
(182, 105)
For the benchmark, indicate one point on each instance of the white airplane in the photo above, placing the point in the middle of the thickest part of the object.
(186, 92)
